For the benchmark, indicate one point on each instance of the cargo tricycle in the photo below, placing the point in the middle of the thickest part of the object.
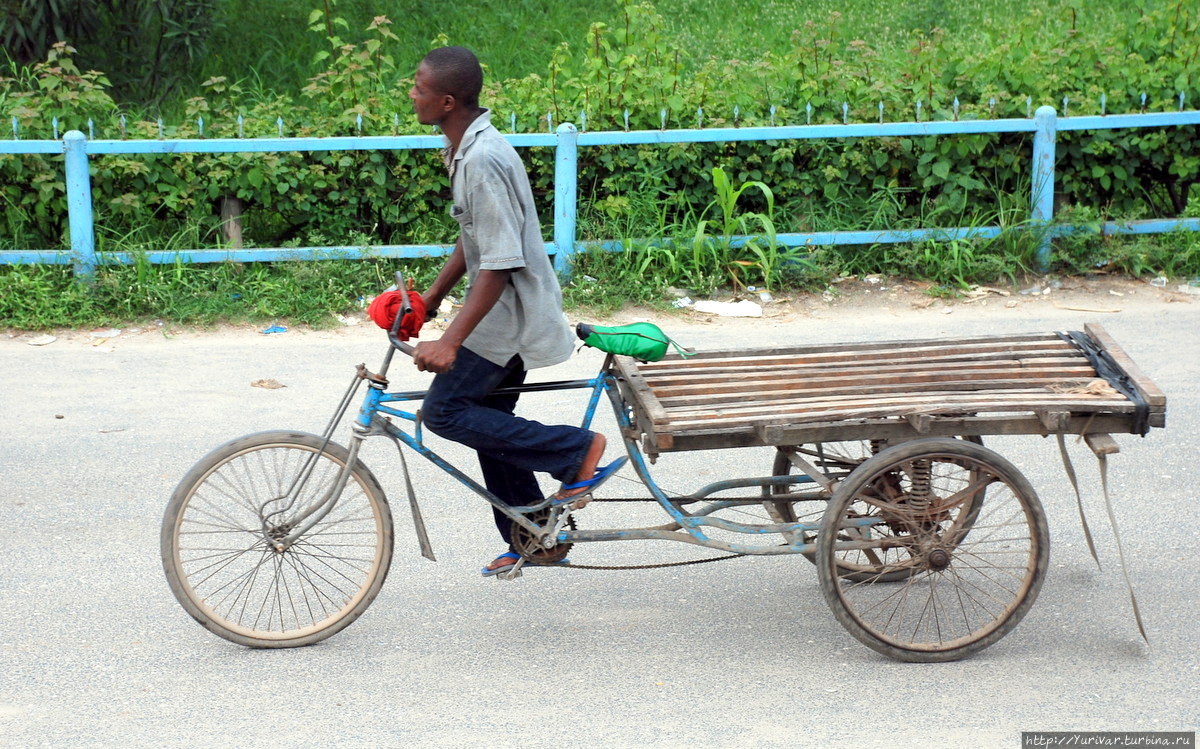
(928, 545)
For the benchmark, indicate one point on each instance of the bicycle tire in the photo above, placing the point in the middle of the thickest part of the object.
(221, 565)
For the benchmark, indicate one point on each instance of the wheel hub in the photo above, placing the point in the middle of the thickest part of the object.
(938, 559)
(276, 534)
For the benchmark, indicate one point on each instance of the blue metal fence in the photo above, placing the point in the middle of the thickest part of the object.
(1044, 126)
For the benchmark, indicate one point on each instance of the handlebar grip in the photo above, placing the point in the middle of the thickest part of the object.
(405, 308)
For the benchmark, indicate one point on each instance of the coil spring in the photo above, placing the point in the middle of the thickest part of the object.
(921, 486)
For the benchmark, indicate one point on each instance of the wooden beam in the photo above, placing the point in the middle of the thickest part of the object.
(1102, 444)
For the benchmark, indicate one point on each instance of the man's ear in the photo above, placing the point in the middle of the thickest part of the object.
(448, 102)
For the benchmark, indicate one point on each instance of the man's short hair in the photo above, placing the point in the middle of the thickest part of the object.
(456, 71)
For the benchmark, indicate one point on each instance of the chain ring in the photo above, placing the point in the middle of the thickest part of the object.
(530, 547)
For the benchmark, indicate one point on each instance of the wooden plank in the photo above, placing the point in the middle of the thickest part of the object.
(887, 428)
(1058, 348)
(1102, 444)
(773, 393)
(647, 411)
(919, 422)
(1144, 385)
(855, 346)
(777, 413)
(1024, 399)
(891, 429)
(1055, 421)
(729, 376)
(906, 403)
(873, 353)
(863, 381)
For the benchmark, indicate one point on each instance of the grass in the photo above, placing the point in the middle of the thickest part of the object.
(40, 297)
(269, 40)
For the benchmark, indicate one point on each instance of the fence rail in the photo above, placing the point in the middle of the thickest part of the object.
(566, 140)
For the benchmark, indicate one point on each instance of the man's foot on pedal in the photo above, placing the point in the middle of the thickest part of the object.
(581, 491)
(509, 559)
(589, 477)
(587, 470)
(501, 564)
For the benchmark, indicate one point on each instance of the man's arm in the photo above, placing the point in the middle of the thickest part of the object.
(450, 274)
(438, 356)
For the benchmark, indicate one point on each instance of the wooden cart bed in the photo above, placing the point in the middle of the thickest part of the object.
(1039, 383)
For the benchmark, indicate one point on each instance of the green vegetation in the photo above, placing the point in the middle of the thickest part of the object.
(34, 297)
(674, 207)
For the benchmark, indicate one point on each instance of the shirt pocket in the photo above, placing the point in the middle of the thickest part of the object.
(462, 216)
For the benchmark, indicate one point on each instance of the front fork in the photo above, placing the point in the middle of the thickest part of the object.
(318, 510)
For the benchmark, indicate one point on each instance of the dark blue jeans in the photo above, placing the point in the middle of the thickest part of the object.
(462, 406)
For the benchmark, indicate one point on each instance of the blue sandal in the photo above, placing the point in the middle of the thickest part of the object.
(590, 485)
(511, 558)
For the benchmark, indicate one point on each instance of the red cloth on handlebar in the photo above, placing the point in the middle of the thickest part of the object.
(386, 306)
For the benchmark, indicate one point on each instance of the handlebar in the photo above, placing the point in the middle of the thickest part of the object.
(405, 308)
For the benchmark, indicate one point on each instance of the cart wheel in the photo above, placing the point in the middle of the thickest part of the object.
(217, 552)
(837, 460)
(912, 506)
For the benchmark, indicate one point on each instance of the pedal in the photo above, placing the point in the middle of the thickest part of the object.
(514, 573)
(578, 503)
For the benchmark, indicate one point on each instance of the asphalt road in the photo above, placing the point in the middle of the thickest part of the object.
(94, 650)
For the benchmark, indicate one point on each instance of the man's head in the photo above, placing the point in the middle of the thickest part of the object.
(449, 78)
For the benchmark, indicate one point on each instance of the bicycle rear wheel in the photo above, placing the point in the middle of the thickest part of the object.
(964, 523)
(218, 534)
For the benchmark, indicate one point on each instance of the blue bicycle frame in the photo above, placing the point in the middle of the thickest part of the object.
(687, 526)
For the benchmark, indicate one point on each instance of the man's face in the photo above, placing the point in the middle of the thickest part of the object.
(429, 104)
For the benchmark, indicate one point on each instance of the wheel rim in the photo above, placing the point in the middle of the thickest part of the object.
(232, 574)
(962, 588)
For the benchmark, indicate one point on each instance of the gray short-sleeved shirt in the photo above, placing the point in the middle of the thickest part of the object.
(493, 205)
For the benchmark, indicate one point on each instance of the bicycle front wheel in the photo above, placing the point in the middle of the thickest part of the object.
(219, 532)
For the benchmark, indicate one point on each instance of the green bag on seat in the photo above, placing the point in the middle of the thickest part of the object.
(643, 341)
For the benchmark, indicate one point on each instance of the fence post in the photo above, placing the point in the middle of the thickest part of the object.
(566, 164)
(1045, 128)
(79, 206)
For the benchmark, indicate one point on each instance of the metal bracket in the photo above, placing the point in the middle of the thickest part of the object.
(366, 374)
(552, 538)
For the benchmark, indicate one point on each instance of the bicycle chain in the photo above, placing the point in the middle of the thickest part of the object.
(647, 566)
